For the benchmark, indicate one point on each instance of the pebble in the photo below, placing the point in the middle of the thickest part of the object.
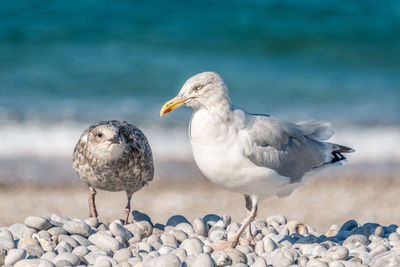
(236, 256)
(37, 222)
(168, 260)
(200, 227)
(69, 257)
(61, 241)
(179, 235)
(34, 263)
(185, 227)
(77, 227)
(337, 253)
(14, 255)
(193, 246)
(118, 230)
(6, 243)
(105, 241)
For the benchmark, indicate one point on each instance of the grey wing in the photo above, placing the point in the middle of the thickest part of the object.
(290, 149)
(140, 148)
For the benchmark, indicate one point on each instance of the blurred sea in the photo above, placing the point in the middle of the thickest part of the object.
(67, 64)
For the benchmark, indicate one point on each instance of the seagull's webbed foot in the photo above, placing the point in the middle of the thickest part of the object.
(252, 214)
(92, 203)
(225, 244)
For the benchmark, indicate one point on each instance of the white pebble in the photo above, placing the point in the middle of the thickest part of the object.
(185, 227)
(167, 260)
(14, 255)
(70, 257)
(37, 222)
(105, 241)
(118, 230)
(193, 246)
(77, 227)
(203, 260)
(34, 263)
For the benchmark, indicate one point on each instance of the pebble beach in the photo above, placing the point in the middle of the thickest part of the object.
(337, 227)
(57, 240)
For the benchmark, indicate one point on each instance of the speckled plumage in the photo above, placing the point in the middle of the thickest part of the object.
(113, 156)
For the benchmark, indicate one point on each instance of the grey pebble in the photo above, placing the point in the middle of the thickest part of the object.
(37, 222)
(50, 255)
(34, 263)
(337, 253)
(236, 255)
(203, 260)
(316, 263)
(68, 239)
(185, 227)
(34, 250)
(259, 262)
(336, 264)
(217, 234)
(193, 246)
(83, 241)
(59, 218)
(4, 232)
(154, 254)
(14, 255)
(80, 251)
(105, 241)
(354, 241)
(70, 257)
(167, 260)
(165, 250)
(77, 227)
(104, 260)
(57, 231)
(154, 241)
(169, 240)
(144, 246)
(181, 253)
(211, 219)
(200, 227)
(6, 243)
(179, 235)
(17, 230)
(118, 230)
(92, 221)
(221, 258)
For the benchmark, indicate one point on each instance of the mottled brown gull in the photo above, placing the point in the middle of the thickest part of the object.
(257, 155)
(113, 156)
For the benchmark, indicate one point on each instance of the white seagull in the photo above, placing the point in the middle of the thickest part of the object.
(256, 155)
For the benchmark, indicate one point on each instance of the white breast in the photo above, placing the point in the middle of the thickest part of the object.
(218, 152)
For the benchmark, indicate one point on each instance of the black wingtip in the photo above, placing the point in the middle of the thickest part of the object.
(337, 156)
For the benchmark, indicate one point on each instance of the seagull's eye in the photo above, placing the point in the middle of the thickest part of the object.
(198, 87)
(99, 135)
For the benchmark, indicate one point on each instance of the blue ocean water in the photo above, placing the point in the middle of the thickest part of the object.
(66, 64)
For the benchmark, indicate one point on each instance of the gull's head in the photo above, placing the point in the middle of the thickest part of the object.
(105, 141)
(203, 90)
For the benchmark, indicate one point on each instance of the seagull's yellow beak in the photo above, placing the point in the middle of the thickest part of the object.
(172, 104)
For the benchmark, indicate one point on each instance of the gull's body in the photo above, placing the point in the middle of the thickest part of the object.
(257, 155)
(113, 156)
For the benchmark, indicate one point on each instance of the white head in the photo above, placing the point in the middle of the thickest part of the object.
(204, 90)
(104, 141)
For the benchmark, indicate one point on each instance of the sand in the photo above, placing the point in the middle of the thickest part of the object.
(324, 200)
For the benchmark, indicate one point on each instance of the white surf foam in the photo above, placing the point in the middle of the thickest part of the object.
(378, 145)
